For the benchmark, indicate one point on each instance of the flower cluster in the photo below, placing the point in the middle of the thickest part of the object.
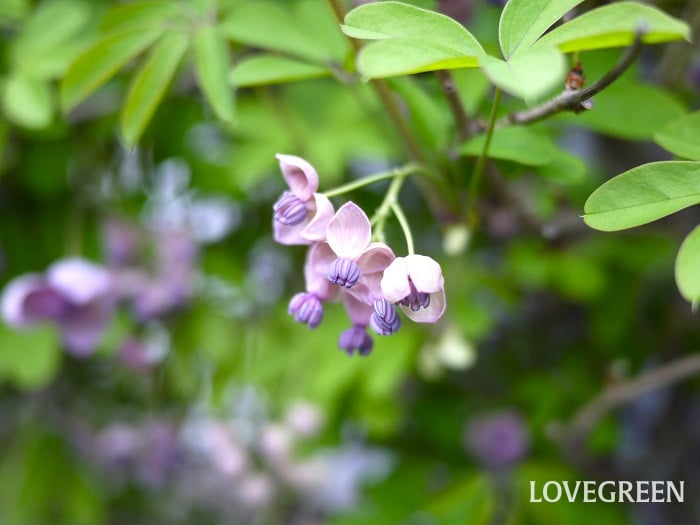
(343, 263)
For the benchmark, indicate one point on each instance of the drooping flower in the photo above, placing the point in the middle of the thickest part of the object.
(416, 284)
(356, 258)
(384, 320)
(307, 307)
(300, 214)
(74, 293)
(356, 338)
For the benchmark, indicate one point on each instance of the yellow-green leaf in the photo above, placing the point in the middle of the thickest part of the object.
(150, 83)
(687, 265)
(682, 136)
(273, 69)
(27, 101)
(212, 61)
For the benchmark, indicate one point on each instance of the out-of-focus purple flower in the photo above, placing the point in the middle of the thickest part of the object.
(276, 443)
(255, 491)
(304, 419)
(143, 353)
(416, 284)
(300, 214)
(162, 454)
(498, 440)
(74, 293)
(122, 243)
(349, 235)
(356, 339)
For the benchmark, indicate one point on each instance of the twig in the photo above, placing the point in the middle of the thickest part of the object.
(571, 100)
(621, 393)
(462, 121)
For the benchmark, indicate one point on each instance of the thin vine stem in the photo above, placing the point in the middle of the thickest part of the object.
(481, 163)
(366, 181)
(401, 217)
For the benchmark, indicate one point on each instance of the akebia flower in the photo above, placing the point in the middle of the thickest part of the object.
(384, 320)
(356, 338)
(416, 284)
(74, 293)
(300, 214)
(349, 235)
(307, 307)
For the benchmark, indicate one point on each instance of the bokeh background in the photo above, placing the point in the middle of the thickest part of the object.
(205, 403)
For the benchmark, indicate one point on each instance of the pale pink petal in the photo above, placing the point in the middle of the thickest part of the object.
(299, 174)
(318, 260)
(349, 231)
(289, 235)
(376, 257)
(395, 285)
(430, 314)
(14, 295)
(425, 273)
(78, 280)
(321, 213)
(358, 311)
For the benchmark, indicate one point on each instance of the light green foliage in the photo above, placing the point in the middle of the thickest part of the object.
(28, 359)
(564, 168)
(268, 69)
(681, 136)
(516, 143)
(212, 60)
(138, 15)
(687, 264)
(643, 194)
(524, 21)
(615, 25)
(149, 85)
(26, 101)
(409, 40)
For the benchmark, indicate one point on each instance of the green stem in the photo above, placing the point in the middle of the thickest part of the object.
(481, 163)
(401, 217)
(365, 181)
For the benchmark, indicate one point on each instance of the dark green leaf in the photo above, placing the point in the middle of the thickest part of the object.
(643, 194)
(150, 83)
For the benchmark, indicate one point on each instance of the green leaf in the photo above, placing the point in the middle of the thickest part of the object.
(682, 136)
(643, 194)
(270, 26)
(26, 101)
(564, 168)
(631, 111)
(687, 264)
(150, 83)
(528, 75)
(212, 61)
(515, 143)
(28, 358)
(410, 40)
(273, 69)
(431, 122)
(524, 21)
(615, 25)
(138, 15)
(99, 63)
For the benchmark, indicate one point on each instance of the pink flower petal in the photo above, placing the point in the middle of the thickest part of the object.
(430, 314)
(14, 296)
(425, 273)
(376, 257)
(289, 235)
(358, 311)
(318, 260)
(299, 174)
(349, 231)
(395, 286)
(321, 214)
(78, 280)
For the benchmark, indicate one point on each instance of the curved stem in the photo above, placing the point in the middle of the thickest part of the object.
(401, 217)
(481, 163)
(365, 181)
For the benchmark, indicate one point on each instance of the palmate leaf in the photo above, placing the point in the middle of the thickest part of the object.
(643, 194)
(615, 25)
(273, 69)
(682, 136)
(687, 264)
(522, 22)
(150, 83)
(409, 40)
(212, 61)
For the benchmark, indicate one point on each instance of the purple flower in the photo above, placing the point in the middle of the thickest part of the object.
(498, 440)
(356, 338)
(384, 320)
(300, 214)
(416, 284)
(74, 293)
(357, 259)
(307, 307)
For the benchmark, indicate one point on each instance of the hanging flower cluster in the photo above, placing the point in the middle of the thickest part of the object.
(343, 263)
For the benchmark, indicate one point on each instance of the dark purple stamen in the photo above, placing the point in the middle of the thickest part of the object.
(306, 308)
(289, 209)
(416, 300)
(344, 272)
(355, 338)
(384, 320)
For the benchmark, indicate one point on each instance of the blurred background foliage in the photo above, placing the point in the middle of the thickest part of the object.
(189, 416)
